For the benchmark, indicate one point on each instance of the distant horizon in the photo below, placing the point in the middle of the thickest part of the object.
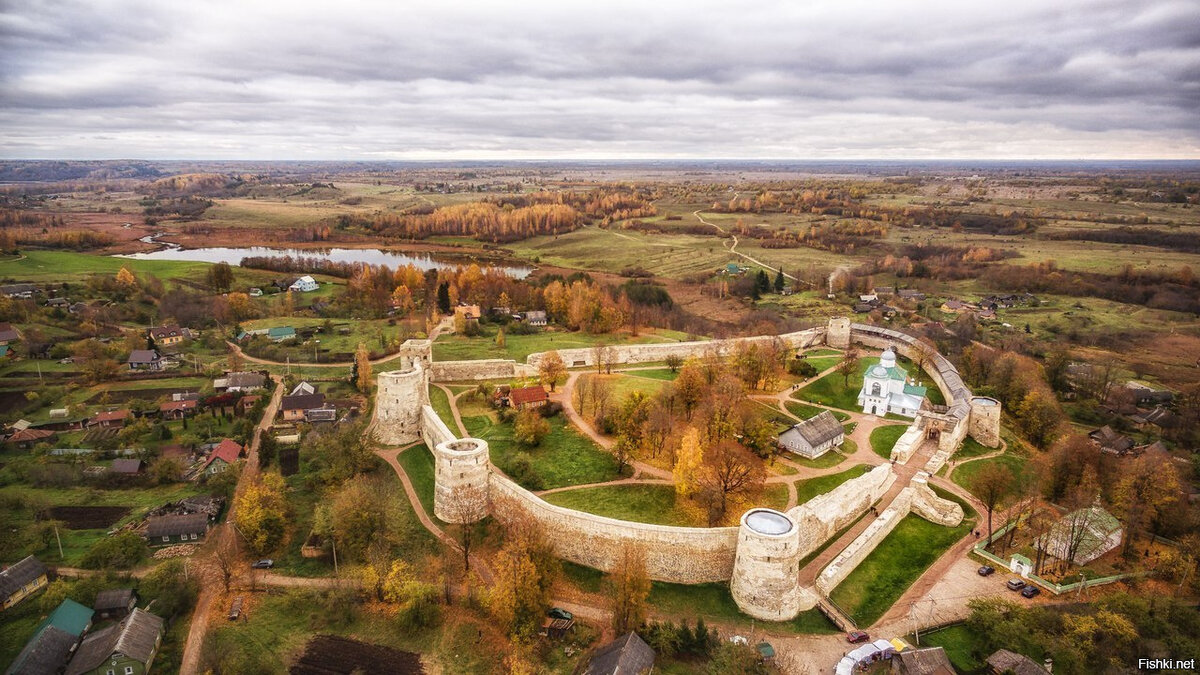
(623, 160)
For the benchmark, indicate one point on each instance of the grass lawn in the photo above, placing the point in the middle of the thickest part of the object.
(807, 489)
(813, 353)
(59, 266)
(624, 385)
(884, 438)
(713, 601)
(418, 464)
(961, 645)
(832, 391)
(831, 458)
(883, 576)
(775, 496)
(805, 411)
(640, 503)
(972, 448)
(965, 475)
(450, 347)
(441, 405)
(565, 456)
(655, 373)
(823, 363)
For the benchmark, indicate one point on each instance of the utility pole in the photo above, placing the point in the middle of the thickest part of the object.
(333, 540)
(61, 556)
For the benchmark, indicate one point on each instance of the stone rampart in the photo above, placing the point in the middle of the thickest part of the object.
(908, 444)
(433, 428)
(464, 371)
(928, 505)
(850, 557)
(683, 555)
(825, 515)
(659, 351)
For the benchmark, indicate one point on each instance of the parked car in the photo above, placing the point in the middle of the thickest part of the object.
(1016, 585)
(986, 570)
(856, 636)
(1030, 590)
(264, 564)
(559, 613)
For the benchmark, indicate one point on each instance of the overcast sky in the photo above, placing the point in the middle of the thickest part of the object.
(797, 79)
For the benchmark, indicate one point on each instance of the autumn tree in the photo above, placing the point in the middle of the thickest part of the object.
(126, 279)
(502, 342)
(848, 366)
(525, 570)
(551, 368)
(358, 516)
(1039, 417)
(261, 512)
(729, 472)
(467, 506)
(1148, 487)
(992, 485)
(220, 277)
(673, 361)
(530, 427)
(362, 368)
(629, 583)
(690, 386)
(688, 461)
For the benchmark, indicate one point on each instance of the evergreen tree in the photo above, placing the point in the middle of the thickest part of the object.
(443, 297)
(779, 282)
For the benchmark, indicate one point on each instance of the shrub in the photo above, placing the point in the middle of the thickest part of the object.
(120, 551)
(801, 368)
(551, 409)
(530, 427)
(521, 470)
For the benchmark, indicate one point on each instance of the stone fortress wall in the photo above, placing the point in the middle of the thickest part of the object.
(761, 568)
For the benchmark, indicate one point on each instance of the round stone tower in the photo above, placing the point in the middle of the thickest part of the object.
(765, 583)
(398, 401)
(984, 424)
(838, 333)
(461, 472)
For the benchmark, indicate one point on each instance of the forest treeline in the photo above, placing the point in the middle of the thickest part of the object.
(1186, 241)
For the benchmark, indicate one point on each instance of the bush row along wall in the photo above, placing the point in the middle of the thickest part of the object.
(683, 555)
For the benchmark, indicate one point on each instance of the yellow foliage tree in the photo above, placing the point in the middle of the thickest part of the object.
(402, 300)
(126, 278)
(261, 513)
(688, 462)
(362, 368)
(515, 595)
(551, 368)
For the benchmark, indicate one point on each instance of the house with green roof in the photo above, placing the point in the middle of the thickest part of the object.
(49, 650)
(1083, 535)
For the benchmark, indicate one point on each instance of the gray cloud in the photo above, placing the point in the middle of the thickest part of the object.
(838, 79)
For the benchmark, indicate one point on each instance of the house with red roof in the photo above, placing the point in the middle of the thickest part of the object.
(110, 418)
(528, 397)
(223, 456)
(177, 410)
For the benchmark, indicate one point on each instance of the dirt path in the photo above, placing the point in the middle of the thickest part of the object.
(565, 396)
(623, 481)
(190, 663)
(453, 398)
(732, 246)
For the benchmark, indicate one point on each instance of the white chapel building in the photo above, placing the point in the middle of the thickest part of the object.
(886, 389)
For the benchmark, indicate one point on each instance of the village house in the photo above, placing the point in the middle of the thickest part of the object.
(956, 307)
(528, 397)
(110, 418)
(115, 604)
(20, 291)
(814, 437)
(323, 415)
(627, 655)
(20, 580)
(223, 455)
(8, 334)
(302, 389)
(239, 382)
(1004, 662)
(126, 466)
(535, 317)
(177, 410)
(1159, 417)
(884, 291)
(910, 294)
(928, 661)
(887, 389)
(127, 648)
(304, 284)
(53, 641)
(165, 336)
(144, 359)
(245, 404)
(467, 312)
(293, 408)
(59, 303)
(27, 438)
(178, 529)
(1110, 440)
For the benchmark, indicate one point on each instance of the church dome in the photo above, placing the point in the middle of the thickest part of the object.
(888, 359)
(878, 372)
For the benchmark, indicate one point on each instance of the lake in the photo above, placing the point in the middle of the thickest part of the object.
(370, 256)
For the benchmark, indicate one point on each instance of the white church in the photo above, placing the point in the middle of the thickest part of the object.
(886, 389)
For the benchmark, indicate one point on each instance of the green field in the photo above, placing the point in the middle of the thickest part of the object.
(883, 576)
(972, 448)
(714, 602)
(831, 391)
(965, 475)
(418, 464)
(58, 266)
(805, 411)
(831, 458)
(883, 439)
(807, 489)
(655, 374)
(655, 504)
(961, 645)
(450, 347)
(440, 403)
(565, 456)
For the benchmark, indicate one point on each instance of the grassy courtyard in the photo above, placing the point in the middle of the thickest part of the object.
(805, 411)
(897, 562)
(450, 347)
(883, 439)
(965, 475)
(807, 489)
(564, 457)
(656, 504)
